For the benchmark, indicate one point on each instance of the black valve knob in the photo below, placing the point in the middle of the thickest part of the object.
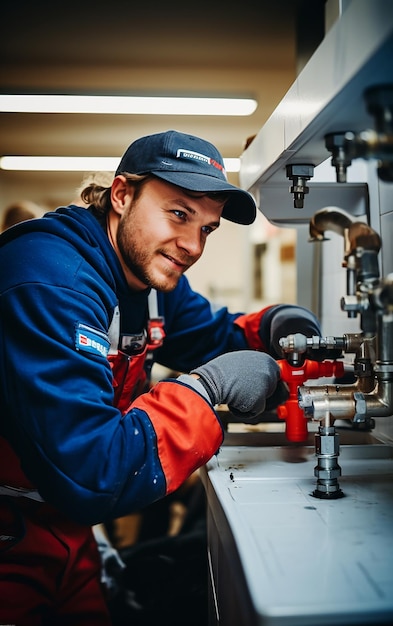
(299, 173)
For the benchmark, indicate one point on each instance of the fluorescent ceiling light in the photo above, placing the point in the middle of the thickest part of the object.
(59, 164)
(76, 164)
(125, 105)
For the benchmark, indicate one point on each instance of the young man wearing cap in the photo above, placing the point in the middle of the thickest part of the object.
(83, 439)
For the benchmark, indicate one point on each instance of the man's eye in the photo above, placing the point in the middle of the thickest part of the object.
(180, 214)
(207, 230)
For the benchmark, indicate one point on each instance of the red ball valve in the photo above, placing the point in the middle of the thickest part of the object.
(295, 421)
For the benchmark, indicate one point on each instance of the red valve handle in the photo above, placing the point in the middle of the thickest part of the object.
(295, 421)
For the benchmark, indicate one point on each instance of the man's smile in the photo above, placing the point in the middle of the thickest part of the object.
(179, 264)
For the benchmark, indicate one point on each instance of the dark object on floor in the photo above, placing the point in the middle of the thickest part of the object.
(165, 582)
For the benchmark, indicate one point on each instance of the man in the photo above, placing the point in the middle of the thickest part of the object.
(83, 439)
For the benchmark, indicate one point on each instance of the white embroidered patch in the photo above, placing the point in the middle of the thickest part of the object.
(88, 339)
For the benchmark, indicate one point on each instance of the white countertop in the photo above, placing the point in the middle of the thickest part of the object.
(306, 560)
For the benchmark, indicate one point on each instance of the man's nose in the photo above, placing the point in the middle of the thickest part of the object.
(191, 241)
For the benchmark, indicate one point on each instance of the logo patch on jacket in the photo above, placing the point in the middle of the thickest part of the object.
(88, 339)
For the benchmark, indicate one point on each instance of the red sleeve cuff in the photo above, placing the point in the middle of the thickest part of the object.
(188, 430)
(251, 323)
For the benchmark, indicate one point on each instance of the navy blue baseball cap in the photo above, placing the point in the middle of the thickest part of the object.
(191, 163)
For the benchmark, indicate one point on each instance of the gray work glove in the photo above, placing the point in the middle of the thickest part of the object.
(243, 380)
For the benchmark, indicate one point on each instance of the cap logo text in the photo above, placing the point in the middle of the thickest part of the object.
(190, 154)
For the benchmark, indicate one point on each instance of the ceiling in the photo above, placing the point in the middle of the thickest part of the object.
(165, 48)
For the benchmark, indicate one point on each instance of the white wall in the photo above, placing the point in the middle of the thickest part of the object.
(225, 273)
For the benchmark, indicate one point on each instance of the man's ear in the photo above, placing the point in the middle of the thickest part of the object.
(121, 194)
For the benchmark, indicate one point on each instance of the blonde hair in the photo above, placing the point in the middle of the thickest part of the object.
(96, 189)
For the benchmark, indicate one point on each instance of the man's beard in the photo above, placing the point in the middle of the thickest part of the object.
(137, 261)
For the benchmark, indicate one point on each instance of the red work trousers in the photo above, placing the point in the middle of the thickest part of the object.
(49, 568)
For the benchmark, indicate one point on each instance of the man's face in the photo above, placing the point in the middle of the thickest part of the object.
(163, 232)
